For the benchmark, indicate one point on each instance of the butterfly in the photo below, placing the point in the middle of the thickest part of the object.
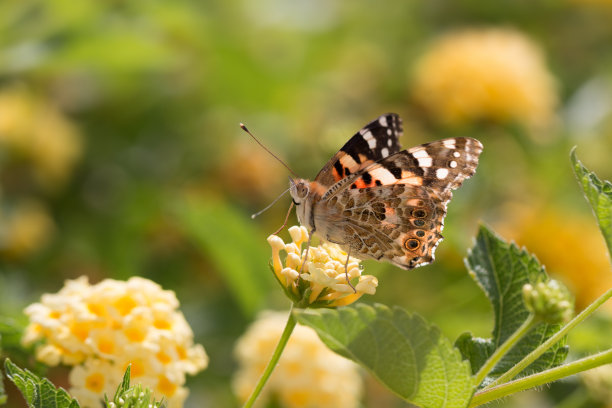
(379, 202)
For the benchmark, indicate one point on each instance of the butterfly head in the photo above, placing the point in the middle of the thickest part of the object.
(299, 190)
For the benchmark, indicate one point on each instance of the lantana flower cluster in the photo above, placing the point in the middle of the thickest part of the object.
(101, 329)
(308, 374)
(495, 74)
(323, 281)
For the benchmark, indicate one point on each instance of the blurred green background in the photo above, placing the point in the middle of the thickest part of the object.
(121, 155)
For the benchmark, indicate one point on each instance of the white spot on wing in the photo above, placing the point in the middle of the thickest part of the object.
(450, 143)
(425, 162)
(384, 152)
(370, 139)
(389, 142)
(384, 175)
(441, 173)
(456, 154)
(419, 154)
(453, 164)
(383, 121)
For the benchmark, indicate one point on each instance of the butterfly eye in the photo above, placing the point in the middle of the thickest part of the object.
(412, 244)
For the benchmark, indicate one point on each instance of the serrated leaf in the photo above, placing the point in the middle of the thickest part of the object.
(501, 269)
(599, 194)
(38, 392)
(402, 350)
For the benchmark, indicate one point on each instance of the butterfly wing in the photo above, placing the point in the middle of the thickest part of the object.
(375, 141)
(394, 208)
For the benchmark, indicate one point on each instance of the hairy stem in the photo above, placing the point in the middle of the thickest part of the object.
(552, 340)
(282, 342)
(504, 348)
(553, 374)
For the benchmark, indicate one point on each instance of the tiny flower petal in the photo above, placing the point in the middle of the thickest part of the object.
(328, 269)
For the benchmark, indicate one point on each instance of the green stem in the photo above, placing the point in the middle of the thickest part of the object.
(504, 348)
(553, 374)
(552, 340)
(282, 342)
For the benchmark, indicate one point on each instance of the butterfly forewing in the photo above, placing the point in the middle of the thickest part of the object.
(375, 141)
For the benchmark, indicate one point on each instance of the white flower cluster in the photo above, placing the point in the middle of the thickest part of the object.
(100, 329)
(308, 374)
(326, 270)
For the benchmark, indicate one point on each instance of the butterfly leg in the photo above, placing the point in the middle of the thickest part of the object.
(346, 271)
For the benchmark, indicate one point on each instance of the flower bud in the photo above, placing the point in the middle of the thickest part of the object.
(550, 301)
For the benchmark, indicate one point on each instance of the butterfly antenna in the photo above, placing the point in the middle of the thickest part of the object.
(271, 204)
(267, 150)
(286, 219)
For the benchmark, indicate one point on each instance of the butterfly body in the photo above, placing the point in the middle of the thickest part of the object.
(378, 202)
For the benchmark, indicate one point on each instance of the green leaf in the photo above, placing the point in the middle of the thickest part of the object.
(599, 194)
(402, 350)
(38, 392)
(2, 391)
(236, 248)
(501, 269)
(135, 396)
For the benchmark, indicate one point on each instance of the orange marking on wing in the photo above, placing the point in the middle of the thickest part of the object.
(337, 177)
(317, 188)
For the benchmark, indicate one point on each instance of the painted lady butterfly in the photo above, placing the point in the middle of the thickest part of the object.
(378, 202)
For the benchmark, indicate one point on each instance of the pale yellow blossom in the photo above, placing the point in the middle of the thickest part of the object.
(101, 329)
(327, 270)
(32, 128)
(495, 74)
(307, 375)
(24, 229)
(599, 382)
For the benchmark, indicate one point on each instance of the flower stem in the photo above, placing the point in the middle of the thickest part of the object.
(504, 348)
(282, 342)
(552, 340)
(553, 374)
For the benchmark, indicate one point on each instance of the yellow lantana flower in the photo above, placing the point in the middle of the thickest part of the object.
(493, 74)
(323, 282)
(24, 229)
(101, 329)
(33, 129)
(308, 374)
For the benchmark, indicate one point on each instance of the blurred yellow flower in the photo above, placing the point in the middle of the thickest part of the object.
(32, 129)
(100, 329)
(324, 271)
(569, 244)
(24, 229)
(308, 374)
(495, 74)
(249, 172)
(599, 382)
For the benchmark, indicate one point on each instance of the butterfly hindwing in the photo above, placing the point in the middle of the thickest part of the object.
(375, 141)
(401, 223)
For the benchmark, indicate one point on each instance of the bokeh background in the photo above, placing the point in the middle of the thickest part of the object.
(121, 155)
